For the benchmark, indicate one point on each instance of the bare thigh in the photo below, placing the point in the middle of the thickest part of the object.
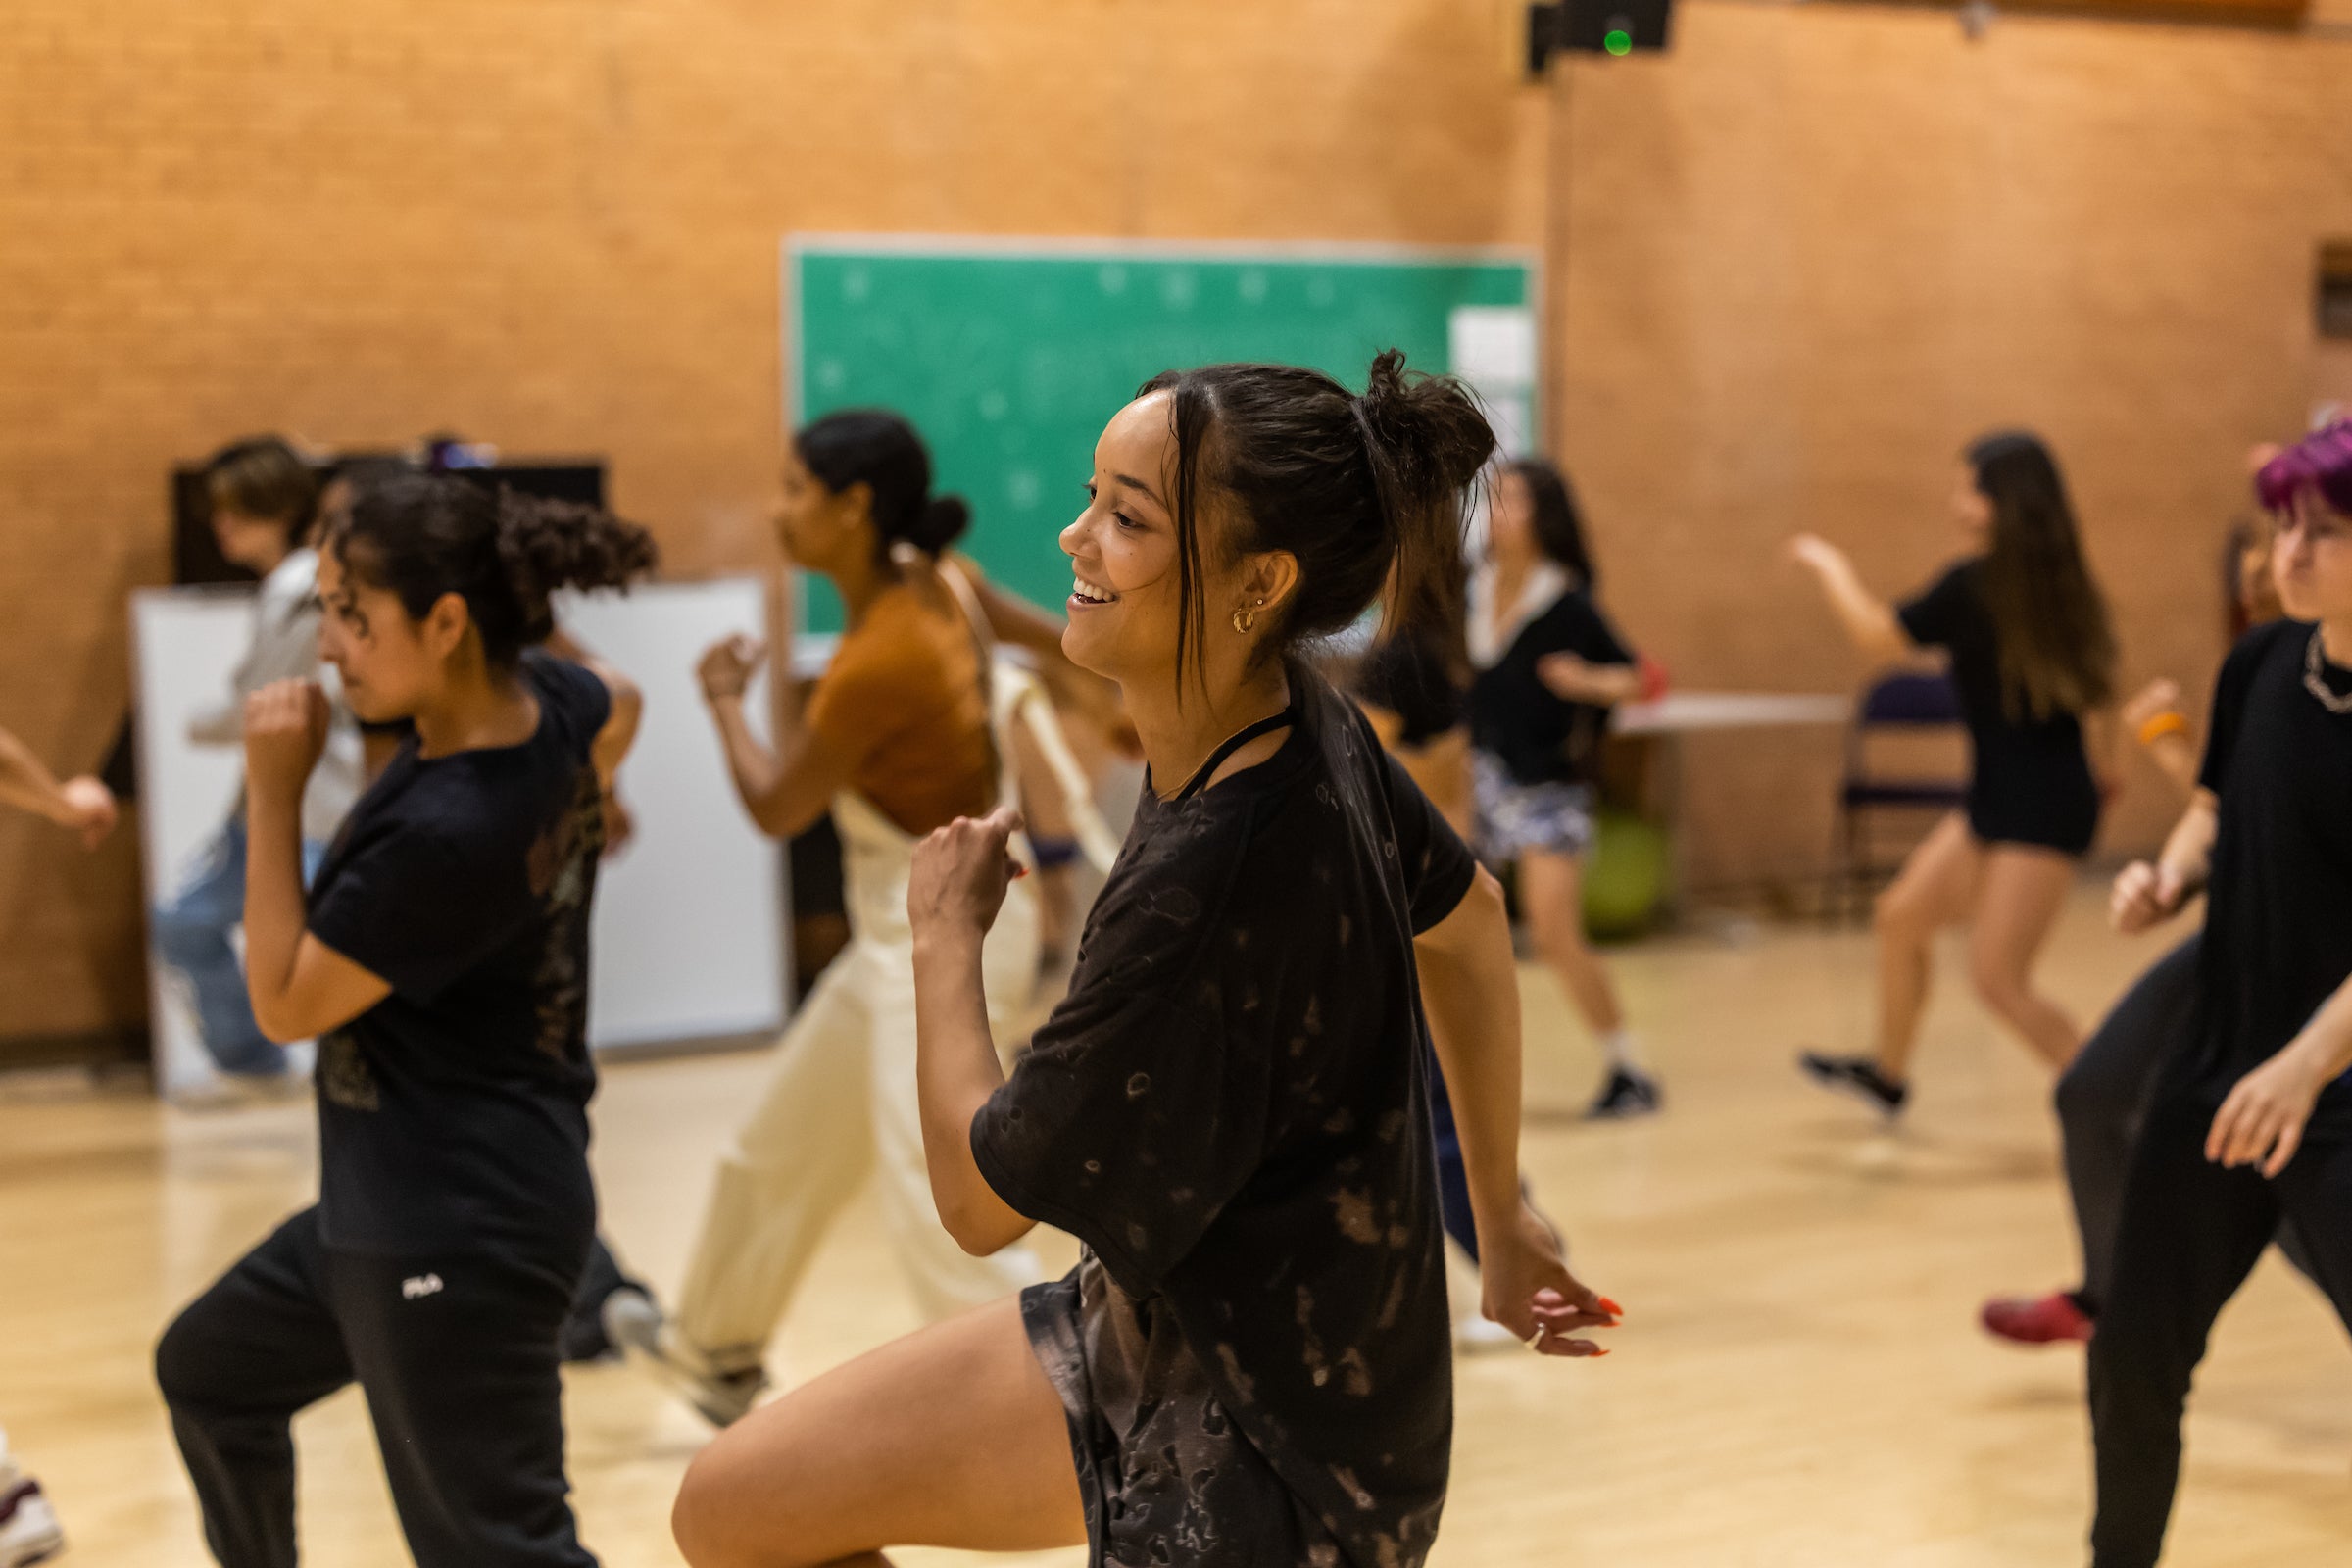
(1937, 881)
(2018, 900)
(950, 1436)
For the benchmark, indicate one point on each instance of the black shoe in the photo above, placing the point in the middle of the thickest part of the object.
(1857, 1076)
(1627, 1093)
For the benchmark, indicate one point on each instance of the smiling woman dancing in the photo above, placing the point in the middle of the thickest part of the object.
(1249, 1364)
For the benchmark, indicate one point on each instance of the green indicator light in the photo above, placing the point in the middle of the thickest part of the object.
(1618, 41)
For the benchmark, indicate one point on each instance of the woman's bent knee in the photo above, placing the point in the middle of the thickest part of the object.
(2002, 990)
(183, 1362)
(1899, 914)
(731, 1513)
(698, 1518)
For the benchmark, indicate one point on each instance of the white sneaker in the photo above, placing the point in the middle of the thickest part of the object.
(633, 1321)
(29, 1528)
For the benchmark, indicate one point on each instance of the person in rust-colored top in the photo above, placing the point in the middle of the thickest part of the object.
(904, 706)
(896, 740)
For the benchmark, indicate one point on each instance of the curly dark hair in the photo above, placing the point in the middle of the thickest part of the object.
(423, 535)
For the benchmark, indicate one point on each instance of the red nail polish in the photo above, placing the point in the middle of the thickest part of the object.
(1611, 1308)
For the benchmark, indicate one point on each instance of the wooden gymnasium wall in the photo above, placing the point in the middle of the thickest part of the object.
(555, 224)
(1817, 248)
(1805, 257)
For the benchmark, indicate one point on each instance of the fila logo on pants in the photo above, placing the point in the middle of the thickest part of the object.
(417, 1284)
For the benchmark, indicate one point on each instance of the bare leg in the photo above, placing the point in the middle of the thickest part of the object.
(950, 1436)
(1930, 893)
(2018, 900)
(1552, 889)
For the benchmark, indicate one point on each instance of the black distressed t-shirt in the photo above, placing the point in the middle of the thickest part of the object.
(2278, 937)
(1540, 737)
(453, 1114)
(1229, 1110)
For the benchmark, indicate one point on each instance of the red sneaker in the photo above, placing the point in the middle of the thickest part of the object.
(2052, 1319)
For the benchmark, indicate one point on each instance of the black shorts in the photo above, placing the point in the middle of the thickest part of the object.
(2047, 807)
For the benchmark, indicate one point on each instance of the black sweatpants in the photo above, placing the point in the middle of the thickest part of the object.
(2103, 1094)
(2188, 1235)
(459, 1358)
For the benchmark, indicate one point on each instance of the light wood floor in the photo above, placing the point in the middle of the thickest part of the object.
(1800, 1380)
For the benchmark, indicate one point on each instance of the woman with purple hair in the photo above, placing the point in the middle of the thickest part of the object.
(2032, 654)
(2253, 1125)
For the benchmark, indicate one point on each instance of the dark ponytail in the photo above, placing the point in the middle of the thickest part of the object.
(1347, 485)
(877, 449)
(422, 535)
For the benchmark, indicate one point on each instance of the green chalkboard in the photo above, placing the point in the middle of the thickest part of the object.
(1010, 360)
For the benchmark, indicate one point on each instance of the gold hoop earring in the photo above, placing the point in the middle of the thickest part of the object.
(1245, 621)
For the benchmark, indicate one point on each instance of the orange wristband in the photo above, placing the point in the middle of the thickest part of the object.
(2159, 726)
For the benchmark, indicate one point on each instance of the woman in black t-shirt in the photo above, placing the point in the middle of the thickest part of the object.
(1548, 669)
(2032, 654)
(1251, 1364)
(442, 962)
(1415, 684)
(2252, 1123)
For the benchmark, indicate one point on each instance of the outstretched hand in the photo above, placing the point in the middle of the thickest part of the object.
(1528, 1290)
(960, 873)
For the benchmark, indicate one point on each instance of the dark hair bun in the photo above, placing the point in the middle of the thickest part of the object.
(944, 520)
(1429, 427)
(879, 449)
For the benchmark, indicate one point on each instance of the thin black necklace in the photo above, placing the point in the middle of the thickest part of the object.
(1232, 744)
(2315, 683)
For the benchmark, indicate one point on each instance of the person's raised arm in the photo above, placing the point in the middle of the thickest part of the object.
(2148, 892)
(1470, 991)
(1012, 619)
(787, 788)
(2153, 716)
(953, 896)
(80, 805)
(1579, 680)
(1868, 621)
(299, 985)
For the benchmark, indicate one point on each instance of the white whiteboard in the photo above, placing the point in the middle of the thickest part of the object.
(689, 935)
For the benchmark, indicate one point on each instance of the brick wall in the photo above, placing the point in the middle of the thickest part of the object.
(1806, 256)
(1817, 248)
(555, 224)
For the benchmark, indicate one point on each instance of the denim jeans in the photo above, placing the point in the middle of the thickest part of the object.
(192, 936)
